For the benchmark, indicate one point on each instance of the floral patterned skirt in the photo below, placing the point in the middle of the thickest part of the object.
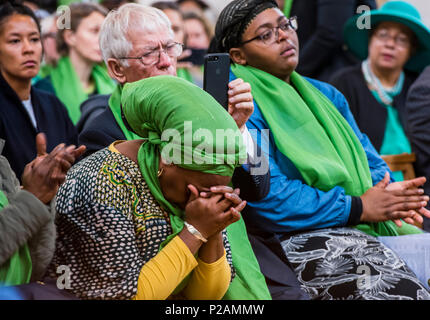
(344, 263)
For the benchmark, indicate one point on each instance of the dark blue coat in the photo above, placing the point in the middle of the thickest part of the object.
(418, 119)
(17, 130)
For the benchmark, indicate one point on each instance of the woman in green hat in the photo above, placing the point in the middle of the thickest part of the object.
(153, 218)
(394, 49)
(79, 72)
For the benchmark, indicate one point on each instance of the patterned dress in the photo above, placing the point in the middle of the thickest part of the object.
(108, 226)
(344, 263)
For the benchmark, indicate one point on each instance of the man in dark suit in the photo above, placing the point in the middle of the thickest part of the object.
(418, 117)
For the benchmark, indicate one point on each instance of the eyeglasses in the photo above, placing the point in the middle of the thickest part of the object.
(173, 50)
(401, 40)
(270, 36)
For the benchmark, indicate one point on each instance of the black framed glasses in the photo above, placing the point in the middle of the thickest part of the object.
(271, 35)
(173, 50)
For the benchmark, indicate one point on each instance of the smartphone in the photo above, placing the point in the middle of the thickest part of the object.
(216, 76)
(197, 57)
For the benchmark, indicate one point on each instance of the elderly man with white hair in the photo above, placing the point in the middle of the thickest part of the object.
(137, 42)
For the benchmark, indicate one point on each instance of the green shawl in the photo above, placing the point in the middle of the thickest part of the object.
(115, 104)
(184, 74)
(115, 107)
(68, 87)
(17, 270)
(155, 105)
(310, 131)
(288, 4)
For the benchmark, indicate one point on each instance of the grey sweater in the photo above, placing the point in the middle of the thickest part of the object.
(25, 220)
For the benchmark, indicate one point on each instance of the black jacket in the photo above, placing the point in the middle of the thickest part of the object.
(17, 129)
(418, 119)
(371, 117)
(320, 34)
(100, 131)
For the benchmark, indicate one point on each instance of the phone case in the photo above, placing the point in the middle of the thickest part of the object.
(216, 76)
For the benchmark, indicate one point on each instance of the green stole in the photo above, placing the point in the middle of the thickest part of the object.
(184, 74)
(17, 270)
(115, 104)
(310, 131)
(288, 4)
(115, 107)
(68, 87)
(395, 140)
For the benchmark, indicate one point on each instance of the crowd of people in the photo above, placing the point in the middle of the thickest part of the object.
(124, 172)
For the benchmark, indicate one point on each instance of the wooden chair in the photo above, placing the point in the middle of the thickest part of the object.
(401, 162)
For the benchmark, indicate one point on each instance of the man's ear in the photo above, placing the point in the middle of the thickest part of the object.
(69, 38)
(116, 70)
(237, 55)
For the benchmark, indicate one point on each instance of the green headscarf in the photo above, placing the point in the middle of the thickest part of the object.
(17, 270)
(155, 105)
(310, 131)
(115, 104)
(68, 87)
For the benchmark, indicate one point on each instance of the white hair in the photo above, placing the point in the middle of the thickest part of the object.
(113, 39)
(47, 23)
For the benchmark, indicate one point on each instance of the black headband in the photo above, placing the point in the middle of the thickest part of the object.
(233, 21)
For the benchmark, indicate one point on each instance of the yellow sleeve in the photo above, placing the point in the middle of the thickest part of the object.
(209, 281)
(163, 273)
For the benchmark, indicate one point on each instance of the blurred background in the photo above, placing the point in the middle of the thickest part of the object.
(422, 5)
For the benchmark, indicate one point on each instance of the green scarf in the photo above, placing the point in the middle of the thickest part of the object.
(311, 132)
(156, 104)
(115, 107)
(288, 4)
(115, 104)
(68, 87)
(184, 74)
(17, 270)
(395, 140)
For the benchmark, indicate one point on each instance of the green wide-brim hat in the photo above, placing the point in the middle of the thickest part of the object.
(357, 39)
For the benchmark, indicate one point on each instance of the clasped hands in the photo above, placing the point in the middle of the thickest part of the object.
(212, 211)
(394, 201)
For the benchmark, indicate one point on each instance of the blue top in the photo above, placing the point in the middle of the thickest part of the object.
(292, 205)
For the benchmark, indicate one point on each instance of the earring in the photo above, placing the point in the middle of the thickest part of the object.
(160, 172)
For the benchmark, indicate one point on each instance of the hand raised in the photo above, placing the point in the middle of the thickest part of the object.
(240, 102)
(46, 172)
